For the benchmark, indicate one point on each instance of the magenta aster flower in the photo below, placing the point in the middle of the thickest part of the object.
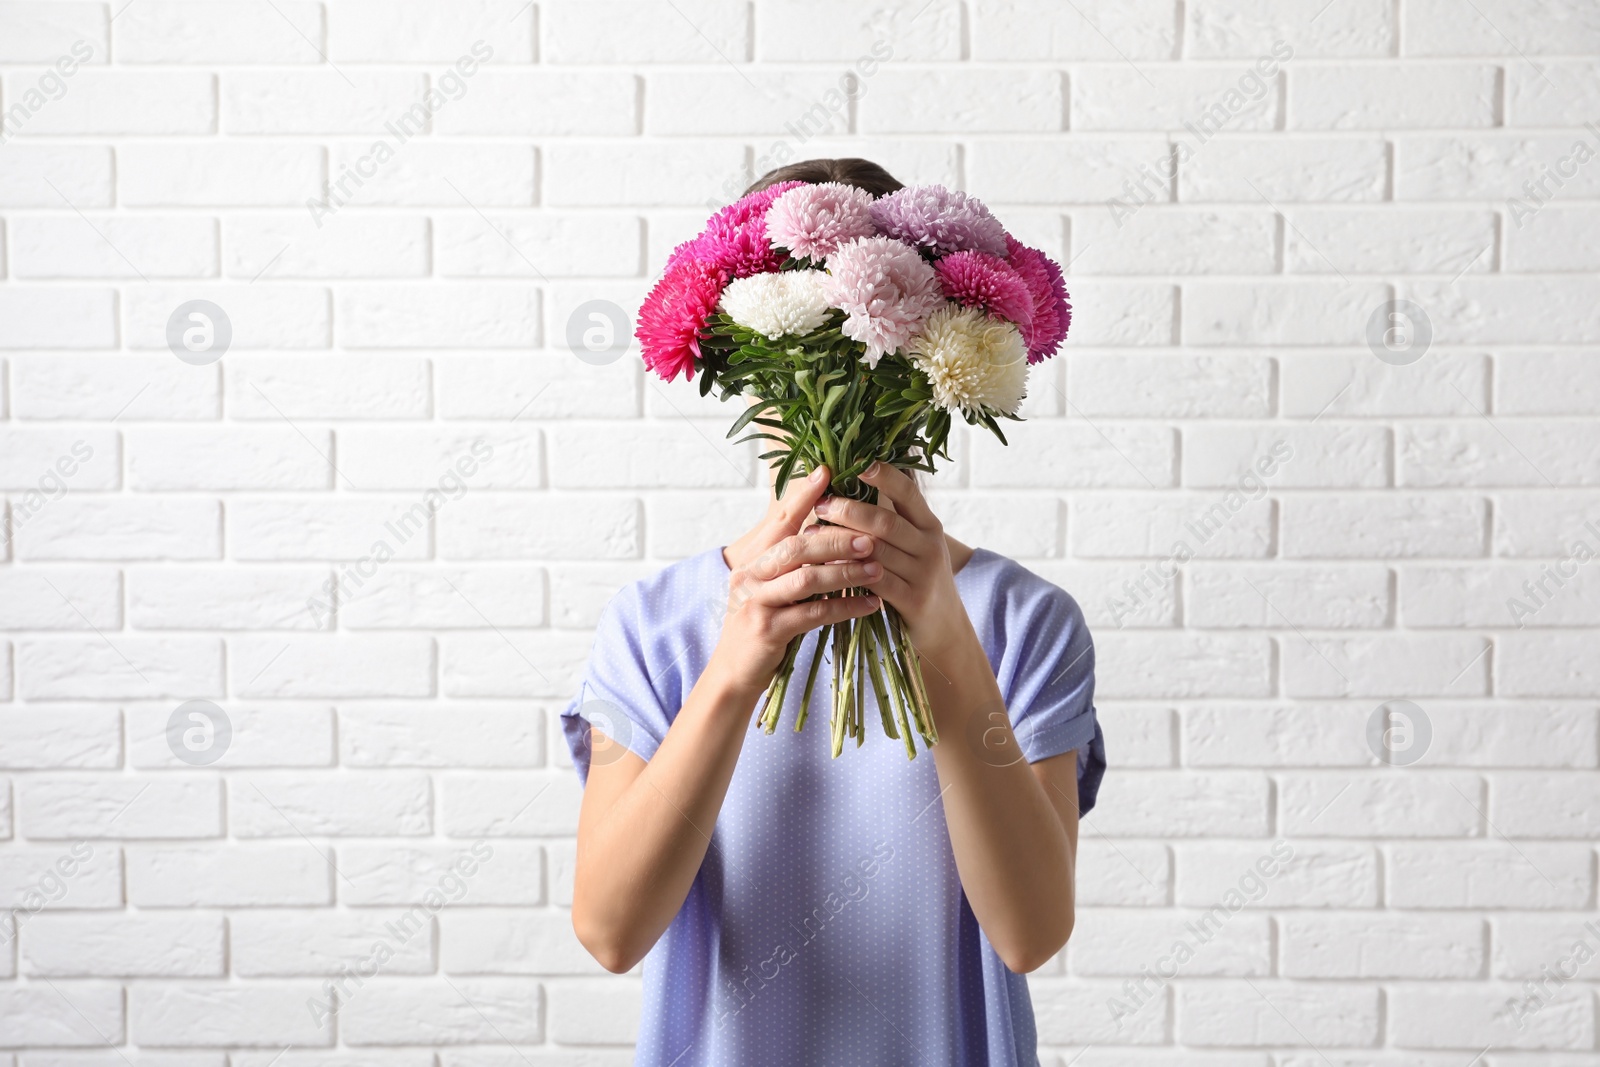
(885, 289)
(813, 220)
(735, 238)
(673, 316)
(1052, 314)
(940, 219)
(979, 280)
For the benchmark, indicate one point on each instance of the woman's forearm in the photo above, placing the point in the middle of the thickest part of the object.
(1012, 852)
(639, 858)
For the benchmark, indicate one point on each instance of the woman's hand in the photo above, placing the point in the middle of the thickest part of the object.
(917, 576)
(775, 566)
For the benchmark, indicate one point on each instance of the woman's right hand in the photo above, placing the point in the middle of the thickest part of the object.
(777, 564)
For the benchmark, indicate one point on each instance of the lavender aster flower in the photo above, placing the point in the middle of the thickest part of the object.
(944, 220)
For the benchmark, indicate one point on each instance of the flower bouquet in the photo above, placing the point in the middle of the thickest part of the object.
(861, 327)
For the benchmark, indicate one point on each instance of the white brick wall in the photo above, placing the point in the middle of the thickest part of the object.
(377, 532)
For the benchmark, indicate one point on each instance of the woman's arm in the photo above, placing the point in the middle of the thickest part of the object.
(1013, 826)
(644, 827)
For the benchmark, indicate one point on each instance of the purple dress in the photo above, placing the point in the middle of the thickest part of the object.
(827, 925)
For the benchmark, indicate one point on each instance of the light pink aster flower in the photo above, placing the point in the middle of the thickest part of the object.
(813, 220)
(939, 219)
(885, 289)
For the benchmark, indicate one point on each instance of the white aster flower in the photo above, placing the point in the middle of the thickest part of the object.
(790, 302)
(976, 364)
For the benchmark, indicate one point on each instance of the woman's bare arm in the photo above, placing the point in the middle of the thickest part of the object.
(644, 827)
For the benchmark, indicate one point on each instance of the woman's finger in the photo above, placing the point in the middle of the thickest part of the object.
(798, 550)
(869, 519)
(800, 495)
(800, 618)
(819, 578)
(901, 488)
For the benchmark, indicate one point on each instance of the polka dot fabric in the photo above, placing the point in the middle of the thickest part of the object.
(827, 925)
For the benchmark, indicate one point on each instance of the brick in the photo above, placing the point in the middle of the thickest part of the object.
(1483, 166)
(1276, 737)
(1318, 597)
(610, 173)
(1453, 1017)
(1175, 241)
(1540, 524)
(120, 808)
(1242, 1013)
(336, 805)
(482, 941)
(545, 245)
(1315, 874)
(114, 247)
(1214, 29)
(85, 1015)
(1418, 804)
(1383, 946)
(37, 317)
(290, 944)
(365, 31)
(544, 104)
(699, 31)
(1546, 383)
(1279, 313)
(1551, 93)
(459, 736)
(124, 102)
(483, 174)
(839, 31)
(58, 461)
(277, 388)
(1374, 96)
(300, 666)
(199, 1015)
(123, 529)
(1309, 457)
(1372, 240)
(337, 529)
(1096, 29)
(1086, 170)
(1552, 239)
(42, 33)
(359, 101)
(590, 527)
(50, 599)
(992, 101)
(233, 458)
(223, 174)
(1122, 873)
(267, 316)
(580, 591)
(273, 736)
(1391, 526)
(1220, 665)
(1170, 527)
(515, 664)
(81, 174)
(344, 246)
(1119, 98)
(217, 598)
(1434, 27)
(174, 31)
(1247, 169)
(112, 946)
(1545, 804)
(472, 1011)
(76, 738)
(1361, 386)
(1191, 805)
(445, 598)
(1488, 874)
(43, 878)
(497, 873)
(1547, 664)
(229, 876)
(1386, 666)
(543, 804)
(456, 316)
(104, 387)
(1104, 455)
(1515, 595)
(96, 668)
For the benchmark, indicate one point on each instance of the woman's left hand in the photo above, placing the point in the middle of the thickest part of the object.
(909, 541)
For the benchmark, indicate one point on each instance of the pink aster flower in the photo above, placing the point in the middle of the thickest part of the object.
(979, 280)
(812, 220)
(885, 289)
(1052, 314)
(673, 316)
(940, 219)
(735, 238)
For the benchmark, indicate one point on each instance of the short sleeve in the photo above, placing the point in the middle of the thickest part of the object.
(1046, 676)
(616, 692)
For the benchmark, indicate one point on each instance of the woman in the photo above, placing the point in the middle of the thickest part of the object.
(797, 909)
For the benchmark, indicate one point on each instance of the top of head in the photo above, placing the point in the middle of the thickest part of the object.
(861, 173)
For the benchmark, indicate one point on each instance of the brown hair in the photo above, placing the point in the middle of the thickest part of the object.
(861, 173)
